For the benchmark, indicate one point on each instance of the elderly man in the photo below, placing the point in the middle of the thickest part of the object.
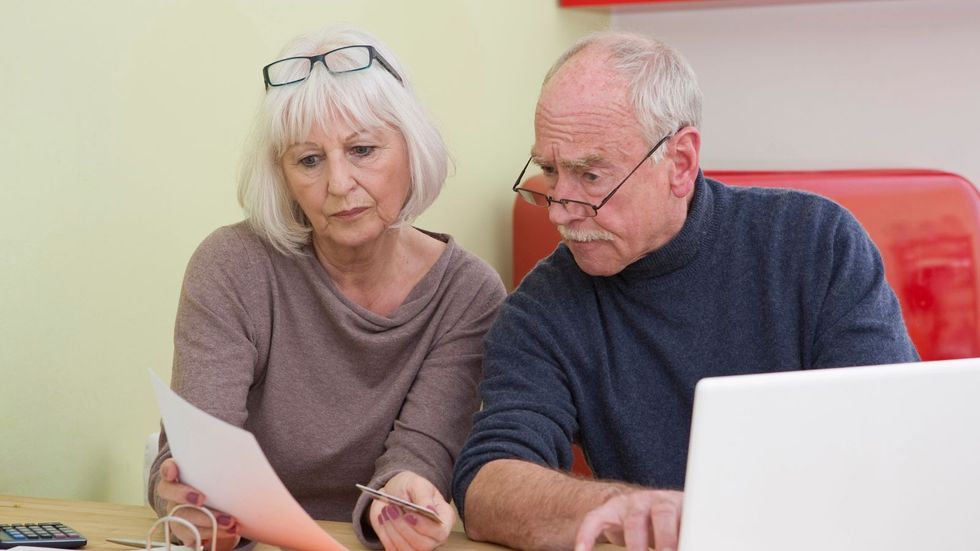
(663, 277)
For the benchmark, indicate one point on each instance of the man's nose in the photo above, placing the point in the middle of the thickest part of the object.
(557, 213)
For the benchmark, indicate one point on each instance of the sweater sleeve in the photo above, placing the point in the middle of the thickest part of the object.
(215, 357)
(437, 413)
(528, 412)
(860, 321)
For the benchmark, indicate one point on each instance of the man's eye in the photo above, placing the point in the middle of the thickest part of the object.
(590, 176)
(362, 150)
(548, 170)
(310, 161)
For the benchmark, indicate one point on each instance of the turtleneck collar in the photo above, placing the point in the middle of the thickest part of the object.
(698, 229)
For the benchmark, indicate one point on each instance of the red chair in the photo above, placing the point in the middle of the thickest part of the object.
(926, 224)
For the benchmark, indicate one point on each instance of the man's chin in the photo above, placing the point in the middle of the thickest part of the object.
(589, 258)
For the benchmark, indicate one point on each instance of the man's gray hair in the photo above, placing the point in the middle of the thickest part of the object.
(663, 89)
(365, 99)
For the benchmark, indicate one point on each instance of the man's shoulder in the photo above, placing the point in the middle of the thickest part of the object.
(553, 277)
(558, 263)
(766, 197)
(777, 208)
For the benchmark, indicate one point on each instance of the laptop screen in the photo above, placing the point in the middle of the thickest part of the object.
(864, 458)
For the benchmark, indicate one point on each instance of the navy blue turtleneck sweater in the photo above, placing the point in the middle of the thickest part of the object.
(757, 280)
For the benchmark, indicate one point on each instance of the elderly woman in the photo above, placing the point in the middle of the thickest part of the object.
(346, 340)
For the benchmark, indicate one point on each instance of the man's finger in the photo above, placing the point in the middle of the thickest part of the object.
(592, 526)
(636, 529)
(665, 518)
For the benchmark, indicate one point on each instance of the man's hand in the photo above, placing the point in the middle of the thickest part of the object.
(638, 519)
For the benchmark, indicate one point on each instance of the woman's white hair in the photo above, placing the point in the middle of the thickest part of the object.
(363, 99)
(663, 89)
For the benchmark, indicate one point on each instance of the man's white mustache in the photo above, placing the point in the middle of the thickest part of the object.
(569, 234)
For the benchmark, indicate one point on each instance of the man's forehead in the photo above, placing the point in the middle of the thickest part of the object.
(555, 155)
(580, 130)
(587, 148)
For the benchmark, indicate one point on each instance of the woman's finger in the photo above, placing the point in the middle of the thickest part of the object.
(225, 522)
(225, 538)
(414, 530)
(176, 493)
(170, 489)
(393, 519)
(422, 492)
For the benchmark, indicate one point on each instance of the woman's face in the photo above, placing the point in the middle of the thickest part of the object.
(351, 183)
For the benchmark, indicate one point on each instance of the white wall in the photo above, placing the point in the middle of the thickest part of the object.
(847, 84)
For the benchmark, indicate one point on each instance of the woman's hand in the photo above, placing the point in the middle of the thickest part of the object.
(401, 530)
(174, 493)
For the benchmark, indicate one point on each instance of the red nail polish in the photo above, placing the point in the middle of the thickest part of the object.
(393, 512)
(381, 517)
(224, 520)
(193, 498)
(411, 519)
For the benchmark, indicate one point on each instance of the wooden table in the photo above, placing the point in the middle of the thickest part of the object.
(98, 521)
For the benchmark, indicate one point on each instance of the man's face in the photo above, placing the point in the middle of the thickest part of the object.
(586, 141)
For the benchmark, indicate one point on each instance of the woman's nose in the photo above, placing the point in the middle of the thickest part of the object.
(340, 178)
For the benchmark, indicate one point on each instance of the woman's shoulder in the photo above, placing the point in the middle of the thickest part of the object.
(470, 266)
(460, 269)
(232, 249)
(233, 239)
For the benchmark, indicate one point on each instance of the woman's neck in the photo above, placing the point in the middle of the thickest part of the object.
(380, 275)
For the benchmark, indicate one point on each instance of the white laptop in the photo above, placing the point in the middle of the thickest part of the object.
(880, 458)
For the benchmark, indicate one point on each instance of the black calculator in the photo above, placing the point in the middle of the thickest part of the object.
(40, 534)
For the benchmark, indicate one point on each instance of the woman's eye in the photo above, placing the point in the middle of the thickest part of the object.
(362, 150)
(310, 161)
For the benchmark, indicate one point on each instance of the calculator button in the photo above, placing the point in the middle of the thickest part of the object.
(39, 534)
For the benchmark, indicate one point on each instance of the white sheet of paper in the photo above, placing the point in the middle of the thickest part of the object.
(227, 465)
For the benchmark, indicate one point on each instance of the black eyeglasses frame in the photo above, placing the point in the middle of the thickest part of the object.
(539, 199)
(373, 53)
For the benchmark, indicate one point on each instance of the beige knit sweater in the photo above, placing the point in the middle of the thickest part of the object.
(334, 394)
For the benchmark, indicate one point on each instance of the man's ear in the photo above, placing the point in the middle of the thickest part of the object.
(685, 152)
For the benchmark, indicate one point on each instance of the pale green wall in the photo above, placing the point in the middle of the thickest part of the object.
(121, 124)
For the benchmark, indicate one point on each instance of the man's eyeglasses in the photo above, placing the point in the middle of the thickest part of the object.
(341, 60)
(574, 207)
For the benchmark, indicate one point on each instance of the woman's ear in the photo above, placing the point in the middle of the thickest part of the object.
(685, 154)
